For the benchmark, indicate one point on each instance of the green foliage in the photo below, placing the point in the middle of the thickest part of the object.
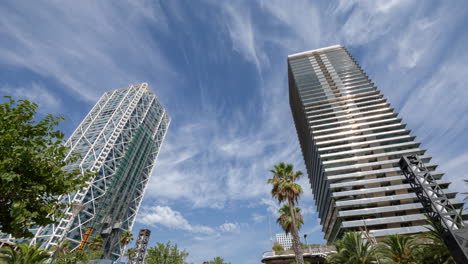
(218, 260)
(23, 254)
(130, 253)
(425, 248)
(96, 243)
(65, 246)
(126, 237)
(165, 254)
(285, 188)
(285, 218)
(31, 176)
(352, 249)
(398, 249)
(79, 256)
(436, 251)
(278, 248)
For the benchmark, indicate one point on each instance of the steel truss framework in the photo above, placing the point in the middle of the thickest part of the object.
(437, 206)
(140, 246)
(119, 139)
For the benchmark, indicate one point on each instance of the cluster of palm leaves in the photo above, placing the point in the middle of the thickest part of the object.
(23, 254)
(126, 238)
(285, 189)
(395, 249)
(33, 254)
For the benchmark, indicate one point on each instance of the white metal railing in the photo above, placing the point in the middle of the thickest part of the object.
(312, 250)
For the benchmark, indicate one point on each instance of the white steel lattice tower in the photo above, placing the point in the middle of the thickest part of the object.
(119, 139)
(352, 141)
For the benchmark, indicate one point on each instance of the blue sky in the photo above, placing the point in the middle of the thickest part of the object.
(219, 67)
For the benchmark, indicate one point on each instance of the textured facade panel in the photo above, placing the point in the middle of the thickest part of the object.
(119, 139)
(352, 139)
(285, 240)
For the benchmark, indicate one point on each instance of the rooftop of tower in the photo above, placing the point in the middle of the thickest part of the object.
(300, 54)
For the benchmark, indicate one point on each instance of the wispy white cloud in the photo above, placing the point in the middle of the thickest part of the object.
(89, 47)
(47, 100)
(167, 217)
(230, 228)
(368, 21)
(241, 32)
(218, 158)
(300, 24)
(258, 218)
(272, 206)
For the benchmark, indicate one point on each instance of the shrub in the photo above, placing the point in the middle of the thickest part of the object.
(277, 247)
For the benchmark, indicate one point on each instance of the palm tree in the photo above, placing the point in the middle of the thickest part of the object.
(65, 246)
(130, 254)
(96, 243)
(398, 249)
(285, 219)
(352, 249)
(23, 254)
(435, 252)
(125, 238)
(285, 188)
(62, 248)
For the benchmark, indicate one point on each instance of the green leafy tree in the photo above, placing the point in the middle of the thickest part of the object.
(23, 254)
(65, 246)
(285, 188)
(78, 256)
(277, 248)
(31, 176)
(436, 250)
(352, 249)
(130, 253)
(96, 243)
(165, 254)
(398, 249)
(285, 218)
(218, 260)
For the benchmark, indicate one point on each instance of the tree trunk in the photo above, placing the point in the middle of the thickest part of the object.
(295, 236)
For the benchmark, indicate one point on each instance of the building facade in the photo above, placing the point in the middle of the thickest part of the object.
(352, 139)
(119, 140)
(284, 240)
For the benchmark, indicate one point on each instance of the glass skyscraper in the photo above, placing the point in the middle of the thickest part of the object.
(119, 139)
(352, 140)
